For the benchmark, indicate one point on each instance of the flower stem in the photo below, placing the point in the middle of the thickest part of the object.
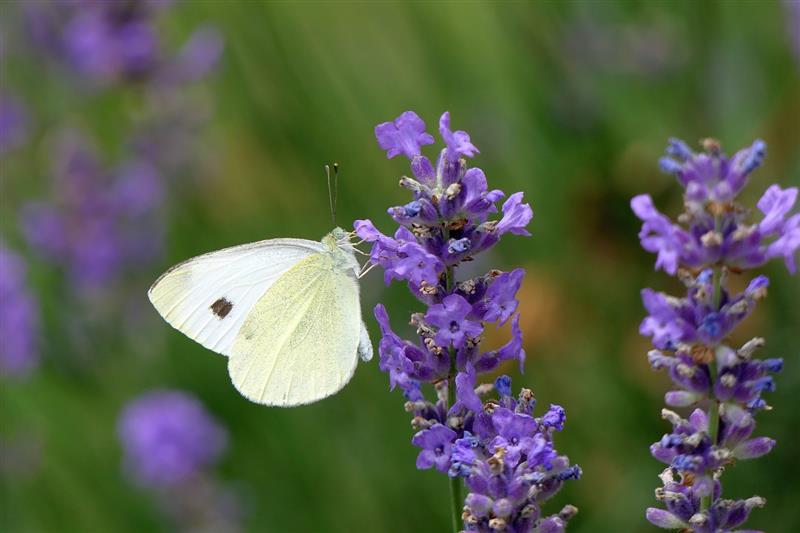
(713, 409)
(456, 500)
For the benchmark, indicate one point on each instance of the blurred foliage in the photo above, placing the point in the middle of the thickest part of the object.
(570, 102)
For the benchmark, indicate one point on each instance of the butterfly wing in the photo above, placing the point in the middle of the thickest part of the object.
(299, 344)
(208, 297)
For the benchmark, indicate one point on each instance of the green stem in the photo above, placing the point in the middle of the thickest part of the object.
(456, 500)
(713, 409)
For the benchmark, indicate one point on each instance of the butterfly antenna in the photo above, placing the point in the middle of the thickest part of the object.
(331, 199)
(335, 189)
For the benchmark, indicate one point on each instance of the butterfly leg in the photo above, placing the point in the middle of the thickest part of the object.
(366, 268)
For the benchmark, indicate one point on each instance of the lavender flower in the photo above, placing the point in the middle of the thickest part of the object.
(405, 135)
(690, 333)
(168, 438)
(450, 319)
(498, 448)
(19, 318)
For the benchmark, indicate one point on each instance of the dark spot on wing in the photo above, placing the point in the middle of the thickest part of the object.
(221, 307)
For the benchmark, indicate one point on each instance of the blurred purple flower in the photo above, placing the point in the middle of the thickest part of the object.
(647, 49)
(13, 124)
(168, 438)
(118, 42)
(792, 8)
(105, 50)
(19, 318)
(98, 221)
(197, 58)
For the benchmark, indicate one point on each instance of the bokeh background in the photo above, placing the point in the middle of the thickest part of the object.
(214, 122)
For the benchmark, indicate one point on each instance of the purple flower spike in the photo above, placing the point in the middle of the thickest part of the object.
(502, 452)
(405, 135)
(714, 240)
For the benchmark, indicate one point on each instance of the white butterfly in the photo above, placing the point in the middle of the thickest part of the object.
(285, 311)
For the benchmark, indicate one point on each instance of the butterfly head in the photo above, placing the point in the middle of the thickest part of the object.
(338, 238)
(341, 248)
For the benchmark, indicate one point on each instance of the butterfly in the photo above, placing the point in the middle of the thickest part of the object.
(285, 311)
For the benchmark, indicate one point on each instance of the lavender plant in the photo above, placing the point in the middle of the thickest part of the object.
(713, 240)
(495, 445)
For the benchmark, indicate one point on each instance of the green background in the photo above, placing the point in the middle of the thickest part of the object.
(571, 103)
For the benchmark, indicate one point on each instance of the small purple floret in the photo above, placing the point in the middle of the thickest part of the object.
(405, 135)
